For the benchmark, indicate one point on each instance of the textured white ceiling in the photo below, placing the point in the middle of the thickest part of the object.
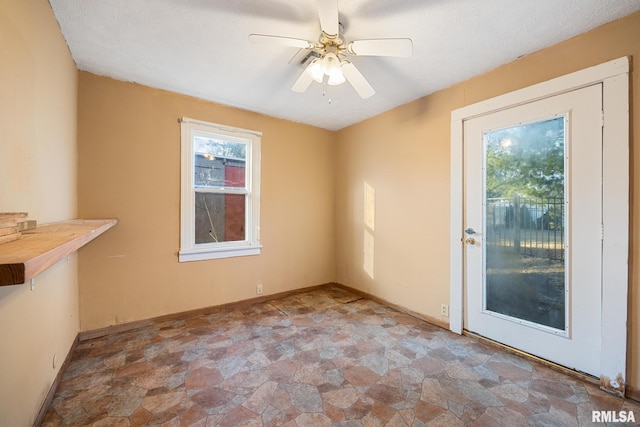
(200, 47)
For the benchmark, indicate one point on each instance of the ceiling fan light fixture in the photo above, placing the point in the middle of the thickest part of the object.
(330, 63)
(336, 78)
(316, 70)
(328, 56)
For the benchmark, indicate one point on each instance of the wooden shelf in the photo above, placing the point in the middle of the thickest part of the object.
(40, 248)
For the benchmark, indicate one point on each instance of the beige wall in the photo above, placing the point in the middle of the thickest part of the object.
(129, 169)
(38, 93)
(312, 189)
(404, 154)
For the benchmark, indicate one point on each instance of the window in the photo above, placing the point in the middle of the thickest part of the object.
(220, 191)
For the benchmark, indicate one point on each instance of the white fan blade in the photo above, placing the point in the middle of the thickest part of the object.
(328, 14)
(280, 41)
(304, 81)
(381, 47)
(357, 80)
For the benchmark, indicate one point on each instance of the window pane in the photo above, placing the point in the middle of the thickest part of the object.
(219, 164)
(525, 222)
(219, 218)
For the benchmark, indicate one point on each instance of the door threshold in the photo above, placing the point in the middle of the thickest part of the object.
(583, 376)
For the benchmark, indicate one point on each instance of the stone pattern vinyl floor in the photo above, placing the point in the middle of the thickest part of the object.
(322, 358)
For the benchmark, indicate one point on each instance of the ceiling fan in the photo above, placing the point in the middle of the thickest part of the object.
(331, 52)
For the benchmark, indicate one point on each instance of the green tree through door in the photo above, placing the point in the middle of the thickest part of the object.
(526, 160)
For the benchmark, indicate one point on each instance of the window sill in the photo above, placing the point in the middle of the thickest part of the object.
(201, 255)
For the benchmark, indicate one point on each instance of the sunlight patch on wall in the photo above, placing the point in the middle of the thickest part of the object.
(369, 222)
(368, 253)
(369, 206)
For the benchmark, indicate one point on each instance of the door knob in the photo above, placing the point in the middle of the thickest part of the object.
(470, 241)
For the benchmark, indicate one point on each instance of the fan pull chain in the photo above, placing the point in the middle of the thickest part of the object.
(329, 101)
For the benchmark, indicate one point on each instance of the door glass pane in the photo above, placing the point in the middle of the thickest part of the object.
(525, 222)
(219, 217)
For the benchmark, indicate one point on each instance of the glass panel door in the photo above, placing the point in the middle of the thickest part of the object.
(533, 218)
(525, 223)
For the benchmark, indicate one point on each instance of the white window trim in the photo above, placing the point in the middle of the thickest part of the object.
(614, 76)
(189, 251)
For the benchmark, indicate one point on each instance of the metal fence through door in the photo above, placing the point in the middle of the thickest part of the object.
(532, 226)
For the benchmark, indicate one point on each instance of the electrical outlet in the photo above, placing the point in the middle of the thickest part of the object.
(444, 310)
(259, 289)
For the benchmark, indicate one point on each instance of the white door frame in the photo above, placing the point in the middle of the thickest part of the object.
(614, 76)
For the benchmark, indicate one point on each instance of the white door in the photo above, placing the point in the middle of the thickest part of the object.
(533, 220)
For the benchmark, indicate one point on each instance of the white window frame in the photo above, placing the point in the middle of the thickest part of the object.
(189, 250)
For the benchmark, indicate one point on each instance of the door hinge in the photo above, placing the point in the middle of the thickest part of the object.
(602, 118)
(602, 232)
